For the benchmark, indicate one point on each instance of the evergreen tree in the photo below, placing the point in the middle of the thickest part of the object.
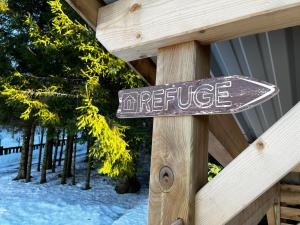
(57, 75)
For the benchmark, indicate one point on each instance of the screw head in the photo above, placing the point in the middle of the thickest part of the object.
(166, 178)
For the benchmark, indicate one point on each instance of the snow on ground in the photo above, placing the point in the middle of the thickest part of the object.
(55, 204)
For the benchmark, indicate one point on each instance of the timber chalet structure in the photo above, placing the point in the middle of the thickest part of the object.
(168, 41)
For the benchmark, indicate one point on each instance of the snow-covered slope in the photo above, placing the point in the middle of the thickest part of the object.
(54, 204)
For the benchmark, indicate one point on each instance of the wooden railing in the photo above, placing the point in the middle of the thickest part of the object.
(10, 150)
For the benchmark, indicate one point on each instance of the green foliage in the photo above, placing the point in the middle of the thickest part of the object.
(3, 6)
(109, 145)
(213, 170)
(98, 69)
(65, 78)
(34, 108)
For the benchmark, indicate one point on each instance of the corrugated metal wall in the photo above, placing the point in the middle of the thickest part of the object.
(273, 57)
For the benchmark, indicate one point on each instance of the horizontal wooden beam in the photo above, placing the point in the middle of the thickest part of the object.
(252, 173)
(290, 198)
(254, 213)
(290, 188)
(290, 213)
(137, 29)
(290, 194)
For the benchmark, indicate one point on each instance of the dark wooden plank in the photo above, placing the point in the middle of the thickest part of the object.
(202, 97)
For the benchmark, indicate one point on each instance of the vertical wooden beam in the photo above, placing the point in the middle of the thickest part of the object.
(273, 214)
(179, 148)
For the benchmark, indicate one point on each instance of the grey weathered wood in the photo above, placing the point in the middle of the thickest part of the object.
(208, 96)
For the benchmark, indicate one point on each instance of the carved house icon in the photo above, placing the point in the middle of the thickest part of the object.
(129, 103)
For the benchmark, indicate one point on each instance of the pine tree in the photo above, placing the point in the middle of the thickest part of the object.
(63, 78)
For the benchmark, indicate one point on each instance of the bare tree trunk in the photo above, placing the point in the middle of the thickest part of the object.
(40, 150)
(89, 167)
(70, 153)
(49, 153)
(65, 168)
(55, 152)
(24, 154)
(50, 133)
(61, 148)
(44, 165)
(74, 161)
(31, 144)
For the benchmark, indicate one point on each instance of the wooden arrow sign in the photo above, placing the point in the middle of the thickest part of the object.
(223, 95)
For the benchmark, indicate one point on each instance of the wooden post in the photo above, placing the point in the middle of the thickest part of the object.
(179, 146)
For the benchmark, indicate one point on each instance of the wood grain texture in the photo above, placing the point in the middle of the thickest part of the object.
(147, 68)
(290, 213)
(254, 213)
(217, 150)
(290, 194)
(179, 142)
(87, 9)
(222, 95)
(297, 169)
(133, 34)
(290, 188)
(226, 130)
(271, 216)
(290, 198)
(252, 173)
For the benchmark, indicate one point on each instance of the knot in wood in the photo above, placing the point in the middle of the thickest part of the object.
(260, 145)
(166, 178)
(135, 7)
(138, 35)
(178, 222)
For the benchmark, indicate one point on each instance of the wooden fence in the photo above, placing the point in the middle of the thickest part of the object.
(10, 150)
